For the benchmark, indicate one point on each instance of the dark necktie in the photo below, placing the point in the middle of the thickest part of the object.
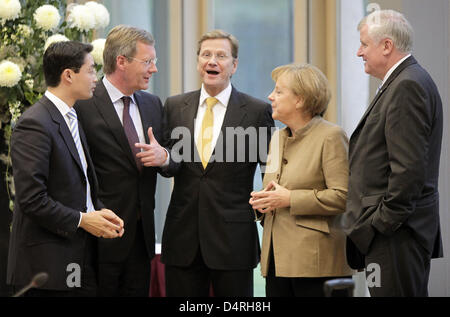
(130, 130)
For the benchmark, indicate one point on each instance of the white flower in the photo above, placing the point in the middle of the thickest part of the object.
(81, 17)
(55, 38)
(97, 52)
(100, 12)
(25, 30)
(10, 74)
(9, 9)
(47, 17)
(29, 83)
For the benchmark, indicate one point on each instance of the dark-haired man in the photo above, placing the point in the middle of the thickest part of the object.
(57, 215)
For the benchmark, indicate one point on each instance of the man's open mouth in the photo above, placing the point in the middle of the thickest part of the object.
(212, 72)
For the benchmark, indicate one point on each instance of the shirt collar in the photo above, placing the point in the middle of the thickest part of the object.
(114, 93)
(389, 73)
(61, 105)
(223, 96)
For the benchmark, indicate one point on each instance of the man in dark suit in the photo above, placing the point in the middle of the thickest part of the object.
(117, 117)
(210, 234)
(393, 202)
(56, 187)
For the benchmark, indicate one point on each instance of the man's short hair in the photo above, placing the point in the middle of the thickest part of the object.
(220, 34)
(389, 24)
(122, 41)
(63, 55)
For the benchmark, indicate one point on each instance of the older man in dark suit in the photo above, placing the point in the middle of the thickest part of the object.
(119, 116)
(210, 232)
(393, 202)
(57, 214)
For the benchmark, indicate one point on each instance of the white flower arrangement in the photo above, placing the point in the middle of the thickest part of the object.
(97, 52)
(9, 9)
(27, 28)
(100, 12)
(47, 17)
(81, 17)
(24, 30)
(55, 38)
(10, 74)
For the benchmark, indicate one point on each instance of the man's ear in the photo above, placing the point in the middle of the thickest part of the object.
(235, 65)
(120, 61)
(388, 46)
(67, 76)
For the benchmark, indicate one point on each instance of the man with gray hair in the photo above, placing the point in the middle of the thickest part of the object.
(392, 218)
(115, 119)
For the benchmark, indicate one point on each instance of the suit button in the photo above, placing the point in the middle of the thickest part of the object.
(285, 161)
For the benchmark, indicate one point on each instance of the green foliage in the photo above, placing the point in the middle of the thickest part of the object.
(22, 42)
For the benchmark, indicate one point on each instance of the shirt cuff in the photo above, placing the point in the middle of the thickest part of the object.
(79, 222)
(166, 163)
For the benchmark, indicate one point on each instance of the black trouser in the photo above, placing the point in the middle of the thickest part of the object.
(404, 265)
(296, 286)
(130, 278)
(196, 280)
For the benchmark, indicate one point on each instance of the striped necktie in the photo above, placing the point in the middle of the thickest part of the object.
(73, 126)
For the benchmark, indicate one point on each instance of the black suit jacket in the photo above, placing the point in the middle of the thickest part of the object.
(394, 163)
(50, 193)
(123, 189)
(209, 208)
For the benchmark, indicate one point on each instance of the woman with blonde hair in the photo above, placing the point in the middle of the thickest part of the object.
(305, 188)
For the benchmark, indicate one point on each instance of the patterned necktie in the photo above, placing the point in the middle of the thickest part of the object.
(378, 90)
(73, 126)
(130, 130)
(206, 134)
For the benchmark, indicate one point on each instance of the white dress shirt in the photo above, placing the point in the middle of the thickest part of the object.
(135, 115)
(116, 100)
(219, 111)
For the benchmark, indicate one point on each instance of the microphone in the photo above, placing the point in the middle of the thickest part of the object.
(37, 281)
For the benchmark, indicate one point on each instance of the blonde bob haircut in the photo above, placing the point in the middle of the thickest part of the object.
(309, 83)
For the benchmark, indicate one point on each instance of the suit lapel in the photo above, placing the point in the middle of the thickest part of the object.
(409, 61)
(189, 112)
(63, 129)
(146, 116)
(103, 103)
(235, 113)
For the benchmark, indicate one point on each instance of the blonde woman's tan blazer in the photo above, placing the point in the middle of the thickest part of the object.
(313, 165)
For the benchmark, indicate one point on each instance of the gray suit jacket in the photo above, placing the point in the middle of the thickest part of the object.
(394, 163)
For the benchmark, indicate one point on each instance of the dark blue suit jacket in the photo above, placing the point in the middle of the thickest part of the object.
(209, 208)
(122, 188)
(50, 193)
